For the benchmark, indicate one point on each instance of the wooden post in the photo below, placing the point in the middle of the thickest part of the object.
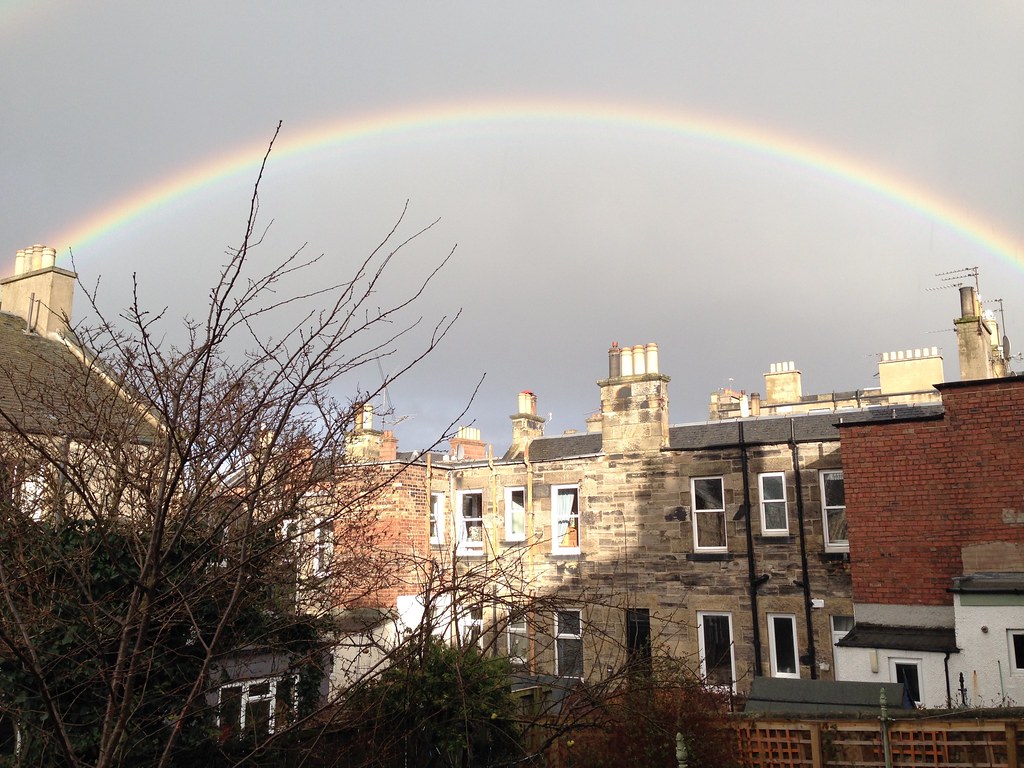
(817, 759)
(1012, 759)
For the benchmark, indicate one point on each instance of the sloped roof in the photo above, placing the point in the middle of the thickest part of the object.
(990, 583)
(769, 430)
(49, 387)
(765, 430)
(797, 697)
(931, 639)
(565, 446)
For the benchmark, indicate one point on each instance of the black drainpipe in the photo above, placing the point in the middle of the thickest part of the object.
(752, 578)
(804, 575)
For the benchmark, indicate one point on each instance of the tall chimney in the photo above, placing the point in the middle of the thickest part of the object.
(977, 340)
(526, 424)
(614, 361)
(782, 383)
(39, 292)
(467, 445)
(634, 404)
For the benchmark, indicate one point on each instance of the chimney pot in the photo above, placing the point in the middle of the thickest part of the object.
(639, 367)
(626, 361)
(652, 357)
(614, 368)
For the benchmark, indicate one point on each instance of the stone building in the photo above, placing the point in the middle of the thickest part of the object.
(723, 543)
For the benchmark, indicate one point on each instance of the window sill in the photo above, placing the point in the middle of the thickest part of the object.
(565, 552)
(775, 538)
(709, 557)
(836, 556)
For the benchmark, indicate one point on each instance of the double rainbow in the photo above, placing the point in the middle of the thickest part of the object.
(461, 117)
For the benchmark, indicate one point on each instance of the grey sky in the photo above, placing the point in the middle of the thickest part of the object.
(569, 235)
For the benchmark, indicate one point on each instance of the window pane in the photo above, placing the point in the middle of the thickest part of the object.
(907, 674)
(517, 513)
(285, 703)
(708, 493)
(638, 636)
(568, 622)
(842, 623)
(567, 515)
(1018, 651)
(436, 511)
(837, 526)
(772, 487)
(230, 710)
(570, 657)
(775, 515)
(785, 649)
(257, 717)
(717, 650)
(518, 641)
(710, 529)
(472, 518)
(8, 736)
(832, 484)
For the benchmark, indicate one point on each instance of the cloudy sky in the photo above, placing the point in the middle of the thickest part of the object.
(741, 183)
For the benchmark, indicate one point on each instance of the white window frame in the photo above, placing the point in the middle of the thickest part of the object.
(31, 492)
(323, 545)
(246, 698)
(1015, 668)
(437, 499)
(511, 535)
(766, 529)
(471, 626)
(556, 539)
(518, 628)
(568, 636)
(465, 543)
(918, 664)
(840, 545)
(718, 511)
(702, 653)
(773, 644)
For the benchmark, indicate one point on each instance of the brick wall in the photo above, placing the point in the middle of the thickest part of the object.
(919, 491)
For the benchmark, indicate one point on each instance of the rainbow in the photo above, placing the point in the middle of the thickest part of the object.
(460, 117)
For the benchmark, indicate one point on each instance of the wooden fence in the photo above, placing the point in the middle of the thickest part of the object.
(943, 743)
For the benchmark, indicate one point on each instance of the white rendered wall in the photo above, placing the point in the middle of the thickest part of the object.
(985, 655)
(856, 664)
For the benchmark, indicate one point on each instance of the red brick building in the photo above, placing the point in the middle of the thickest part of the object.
(934, 501)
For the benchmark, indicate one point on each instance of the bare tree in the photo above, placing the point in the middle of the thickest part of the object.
(174, 509)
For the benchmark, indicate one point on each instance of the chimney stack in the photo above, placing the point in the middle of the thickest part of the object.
(977, 339)
(634, 400)
(526, 424)
(363, 443)
(39, 292)
(467, 445)
(782, 384)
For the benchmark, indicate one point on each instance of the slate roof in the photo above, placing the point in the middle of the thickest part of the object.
(770, 430)
(796, 697)
(990, 583)
(45, 388)
(932, 639)
(765, 430)
(565, 446)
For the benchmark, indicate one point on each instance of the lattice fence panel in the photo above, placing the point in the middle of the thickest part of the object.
(776, 746)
